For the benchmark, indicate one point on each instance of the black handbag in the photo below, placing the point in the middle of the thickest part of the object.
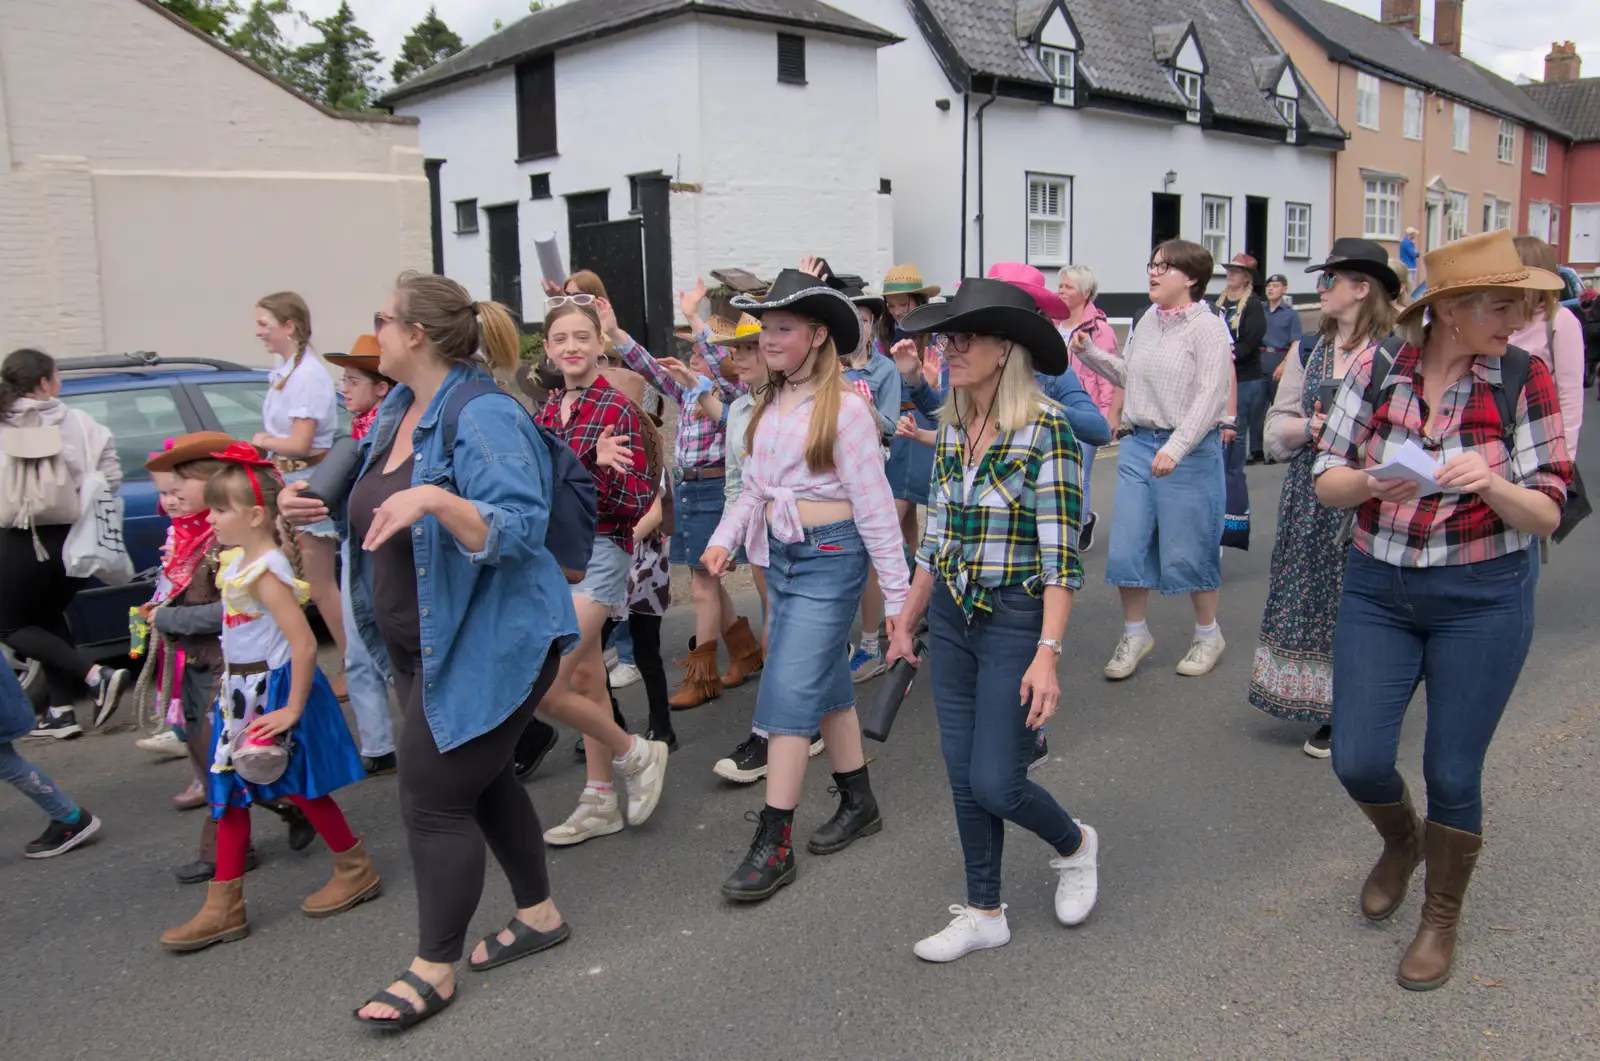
(335, 475)
(1576, 510)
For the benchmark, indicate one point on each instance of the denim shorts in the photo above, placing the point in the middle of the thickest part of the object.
(814, 587)
(605, 581)
(1166, 534)
(323, 528)
(696, 511)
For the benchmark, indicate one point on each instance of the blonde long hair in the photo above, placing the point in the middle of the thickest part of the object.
(824, 429)
(1016, 397)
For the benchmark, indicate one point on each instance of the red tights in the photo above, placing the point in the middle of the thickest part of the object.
(233, 832)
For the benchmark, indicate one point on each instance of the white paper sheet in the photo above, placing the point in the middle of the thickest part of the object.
(1413, 463)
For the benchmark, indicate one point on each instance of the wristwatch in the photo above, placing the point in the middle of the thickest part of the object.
(1050, 643)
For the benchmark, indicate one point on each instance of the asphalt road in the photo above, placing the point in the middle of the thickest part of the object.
(1226, 926)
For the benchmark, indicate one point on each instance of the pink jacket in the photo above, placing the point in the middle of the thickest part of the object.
(1100, 389)
(1565, 363)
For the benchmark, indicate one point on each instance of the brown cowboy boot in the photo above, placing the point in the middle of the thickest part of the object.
(700, 680)
(221, 920)
(1451, 856)
(354, 880)
(1401, 830)
(745, 655)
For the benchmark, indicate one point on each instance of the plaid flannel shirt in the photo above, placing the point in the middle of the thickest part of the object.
(700, 442)
(1018, 522)
(622, 496)
(1448, 528)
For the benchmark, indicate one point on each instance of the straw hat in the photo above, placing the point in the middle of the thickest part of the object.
(1484, 262)
(907, 280)
(725, 333)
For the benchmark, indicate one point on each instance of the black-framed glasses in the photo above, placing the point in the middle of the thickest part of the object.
(1158, 268)
(960, 342)
(557, 301)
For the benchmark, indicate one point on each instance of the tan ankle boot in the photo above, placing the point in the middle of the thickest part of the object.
(700, 680)
(1401, 830)
(221, 920)
(354, 880)
(1451, 855)
(745, 655)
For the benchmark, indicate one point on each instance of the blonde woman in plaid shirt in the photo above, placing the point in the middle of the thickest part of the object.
(1439, 587)
(996, 573)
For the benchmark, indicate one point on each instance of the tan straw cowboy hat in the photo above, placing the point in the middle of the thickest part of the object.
(907, 280)
(1478, 263)
(725, 333)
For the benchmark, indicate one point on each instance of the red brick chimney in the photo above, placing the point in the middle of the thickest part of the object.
(1403, 14)
(1563, 63)
(1447, 25)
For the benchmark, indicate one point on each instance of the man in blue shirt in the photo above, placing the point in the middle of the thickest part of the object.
(1283, 331)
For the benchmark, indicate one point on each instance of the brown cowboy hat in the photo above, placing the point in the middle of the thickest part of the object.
(198, 446)
(363, 355)
(1484, 262)
(724, 332)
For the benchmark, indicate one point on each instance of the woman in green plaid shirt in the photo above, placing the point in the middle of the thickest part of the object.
(995, 574)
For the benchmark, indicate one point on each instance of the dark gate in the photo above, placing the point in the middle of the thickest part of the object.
(505, 258)
(615, 251)
(1255, 232)
(1165, 217)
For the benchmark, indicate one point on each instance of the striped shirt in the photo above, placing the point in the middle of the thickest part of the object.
(1449, 528)
(1017, 523)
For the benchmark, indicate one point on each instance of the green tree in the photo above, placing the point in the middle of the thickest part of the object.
(258, 37)
(208, 16)
(429, 42)
(340, 67)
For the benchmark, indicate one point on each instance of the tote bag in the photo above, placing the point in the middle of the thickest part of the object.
(94, 547)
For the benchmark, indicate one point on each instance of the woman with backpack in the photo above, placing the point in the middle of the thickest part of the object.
(1554, 335)
(46, 449)
(1439, 587)
(1293, 675)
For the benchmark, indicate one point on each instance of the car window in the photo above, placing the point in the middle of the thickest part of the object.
(237, 406)
(140, 421)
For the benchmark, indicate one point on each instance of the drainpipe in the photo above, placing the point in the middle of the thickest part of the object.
(994, 91)
(966, 138)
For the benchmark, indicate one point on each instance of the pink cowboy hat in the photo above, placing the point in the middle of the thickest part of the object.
(1031, 280)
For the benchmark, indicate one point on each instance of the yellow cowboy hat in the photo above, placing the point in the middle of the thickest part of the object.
(1483, 262)
(725, 333)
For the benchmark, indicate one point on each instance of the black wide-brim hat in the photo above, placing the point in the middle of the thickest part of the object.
(995, 307)
(808, 296)
(1364, 256)
(873, 304)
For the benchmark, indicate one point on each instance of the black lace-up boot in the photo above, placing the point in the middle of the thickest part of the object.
(856, 817)
(770, 863)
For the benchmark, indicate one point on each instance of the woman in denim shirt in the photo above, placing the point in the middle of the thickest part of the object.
(460, 603)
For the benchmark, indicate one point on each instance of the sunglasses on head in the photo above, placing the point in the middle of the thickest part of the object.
(557, 301)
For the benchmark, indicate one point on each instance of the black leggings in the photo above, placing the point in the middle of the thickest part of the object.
(646, 632)
(453, 801)
(34, 595)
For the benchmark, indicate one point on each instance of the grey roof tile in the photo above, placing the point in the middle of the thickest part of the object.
(577, 21)
(1575, 104)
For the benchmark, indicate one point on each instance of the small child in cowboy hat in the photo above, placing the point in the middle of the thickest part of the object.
(362, 385)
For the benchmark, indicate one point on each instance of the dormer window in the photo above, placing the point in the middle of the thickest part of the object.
(1286, 97)
(1061, 66)
(1189, 84)
(1054, 39)
(1290, 109)
(1177, 47)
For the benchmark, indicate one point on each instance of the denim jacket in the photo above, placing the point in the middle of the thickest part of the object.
(488, 618)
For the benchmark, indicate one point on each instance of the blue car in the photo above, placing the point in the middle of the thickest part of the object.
(143, 400)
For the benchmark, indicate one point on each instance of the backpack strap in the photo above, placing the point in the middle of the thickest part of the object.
(450, 415)
(1513, 378)
(1382, 362)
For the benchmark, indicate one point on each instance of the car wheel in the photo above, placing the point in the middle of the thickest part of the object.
(31, 676)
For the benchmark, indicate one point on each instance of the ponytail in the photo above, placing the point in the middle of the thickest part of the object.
(500, 342)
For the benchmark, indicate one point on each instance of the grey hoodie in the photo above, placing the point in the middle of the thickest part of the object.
(87, 445)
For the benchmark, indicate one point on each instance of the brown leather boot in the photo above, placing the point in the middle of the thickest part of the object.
(221, 920)
(700, 680)
(354, 880)
(745, 655)
(1401, 830)
(1451, 854)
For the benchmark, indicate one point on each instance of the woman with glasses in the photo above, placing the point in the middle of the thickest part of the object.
(1177, 380)
(1293, 676)
(1438, 584)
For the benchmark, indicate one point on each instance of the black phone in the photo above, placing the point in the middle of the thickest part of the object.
(1328, 392)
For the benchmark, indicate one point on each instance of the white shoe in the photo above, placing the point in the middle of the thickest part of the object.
(165, 745)
(1203, 655)
(596, 815)
(609, 657)
(818, 746)
(1080, 879)
(645, 767)
(1131, 651)
(969, 931)
(624, 675)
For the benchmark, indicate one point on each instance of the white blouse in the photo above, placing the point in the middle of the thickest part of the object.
(307, 394)
(249, 633)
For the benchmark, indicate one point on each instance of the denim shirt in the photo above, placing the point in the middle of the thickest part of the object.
(488, 618)
(1088, 424)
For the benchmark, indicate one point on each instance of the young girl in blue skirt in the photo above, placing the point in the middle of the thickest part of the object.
(272, 692)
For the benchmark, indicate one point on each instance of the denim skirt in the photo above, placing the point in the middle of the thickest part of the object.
(814, 587)
(696, 511)
(1166, 534)
(605, 580)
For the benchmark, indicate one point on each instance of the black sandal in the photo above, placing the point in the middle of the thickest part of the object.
(527, 940)
(410, 1015)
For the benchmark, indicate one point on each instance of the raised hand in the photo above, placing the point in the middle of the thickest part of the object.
(613, 451)
(813, 265)
(906, 358)
(689, 301)
(677, 370)
(608, 316)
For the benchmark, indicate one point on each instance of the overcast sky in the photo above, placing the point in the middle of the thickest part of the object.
(1510, 37)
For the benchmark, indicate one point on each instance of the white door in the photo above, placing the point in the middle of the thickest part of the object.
(1585, 237)
(1539, 220)
(1435, 220)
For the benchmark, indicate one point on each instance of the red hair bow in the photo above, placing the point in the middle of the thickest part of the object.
(249, 458)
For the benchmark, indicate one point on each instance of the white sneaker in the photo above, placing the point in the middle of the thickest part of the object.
(1131, 651)
(1080, 879)
(609, 657)
(1203, 655)
(165, 745)
(645, 767)
(624, 675)
(969, 931)
(596, 815)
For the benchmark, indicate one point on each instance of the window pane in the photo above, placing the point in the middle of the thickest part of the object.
(140, 421)
(237, 405)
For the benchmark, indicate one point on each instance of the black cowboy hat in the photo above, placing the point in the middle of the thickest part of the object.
(1352, 255)
(872, 303)
(808, 296)
(995, 307)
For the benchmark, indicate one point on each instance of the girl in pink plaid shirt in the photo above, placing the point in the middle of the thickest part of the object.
(815, 505)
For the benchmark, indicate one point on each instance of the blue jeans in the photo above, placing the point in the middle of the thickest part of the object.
(35, 784)
(1466, 629)
(1251, 415)
(1166, 532)
(1088, 469)
(369, 693)
(622, 641)
(983, 732)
